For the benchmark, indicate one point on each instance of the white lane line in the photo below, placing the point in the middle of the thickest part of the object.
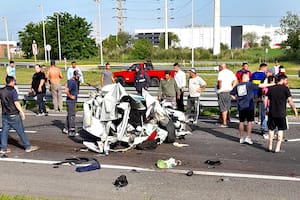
(53, 114)
(13, 131)
(292, 140)
(205, 173)
(236, 121)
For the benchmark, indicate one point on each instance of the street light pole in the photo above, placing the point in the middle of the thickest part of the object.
(166, 24)
(6, 33)
(44, 32)
(58, 37)
(100, 30)
(193, 52)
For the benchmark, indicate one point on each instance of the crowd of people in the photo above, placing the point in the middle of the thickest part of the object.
(265, 90)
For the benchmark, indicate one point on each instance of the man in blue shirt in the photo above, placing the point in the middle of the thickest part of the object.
(72, 93)
(244, 94)
(12, 116)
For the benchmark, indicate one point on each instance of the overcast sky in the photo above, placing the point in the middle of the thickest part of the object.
(146, 13)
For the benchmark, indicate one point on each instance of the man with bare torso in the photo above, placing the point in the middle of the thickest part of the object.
(54, 75)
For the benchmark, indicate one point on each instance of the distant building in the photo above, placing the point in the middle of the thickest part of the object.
(3, 48)
(203, 36)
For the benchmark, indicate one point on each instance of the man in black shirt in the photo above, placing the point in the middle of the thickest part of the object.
(278, 95)
(39, 88)
(12, 116)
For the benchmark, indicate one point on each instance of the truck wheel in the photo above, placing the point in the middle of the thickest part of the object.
(121, 81)
(154, 82)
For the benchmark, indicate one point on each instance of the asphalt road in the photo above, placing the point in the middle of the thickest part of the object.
(246, 172)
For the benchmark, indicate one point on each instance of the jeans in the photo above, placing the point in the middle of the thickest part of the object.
(56, 96)
(263, 121)
(193, 103)
(70, 120)
(13, 121)
(41, 102)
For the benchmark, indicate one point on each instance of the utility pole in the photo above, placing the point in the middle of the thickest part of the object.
(6, 33)
(120, 16)
(44, 32)
(166, 24)
(193, 59)
(100, 30)
(217, 45)
(58, 37)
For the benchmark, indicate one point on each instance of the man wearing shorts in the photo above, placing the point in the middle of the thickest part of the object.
(278, 95)
(243, 92)
(225, 82)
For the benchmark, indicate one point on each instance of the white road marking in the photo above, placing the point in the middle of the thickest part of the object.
(204, 173)
(63, 114)
(236, 121)
(13, 131)
(292, 140)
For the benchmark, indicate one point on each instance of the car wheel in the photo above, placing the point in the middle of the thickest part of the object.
(154, 82)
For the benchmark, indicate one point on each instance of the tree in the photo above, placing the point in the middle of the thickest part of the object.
(265, 41)
(290, 25)
(172, 40)
(142, 49)
(76, 42)
(123, 39)
(250, 38)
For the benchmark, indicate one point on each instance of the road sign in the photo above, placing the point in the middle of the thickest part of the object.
(48, 47)
(34, 48)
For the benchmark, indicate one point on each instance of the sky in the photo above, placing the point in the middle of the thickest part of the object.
(140, 14)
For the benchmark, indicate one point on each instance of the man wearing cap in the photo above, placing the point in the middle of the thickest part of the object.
(180, 79)
(141, 79)
(54, 75)
(168, 90)
(71, 71)
(71, 89)
(226, 80)
(196, 86)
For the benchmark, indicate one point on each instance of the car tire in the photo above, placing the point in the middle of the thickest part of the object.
(154, 82)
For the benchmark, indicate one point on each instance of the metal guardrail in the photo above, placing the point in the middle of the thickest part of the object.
(208, 98)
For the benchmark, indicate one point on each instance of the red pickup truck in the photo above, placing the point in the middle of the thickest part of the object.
(126, 77)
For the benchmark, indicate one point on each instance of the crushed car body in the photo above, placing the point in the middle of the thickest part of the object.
(113, 116)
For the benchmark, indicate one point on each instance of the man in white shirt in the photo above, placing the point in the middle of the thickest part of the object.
(225, 82)
(180, 79)
(71, 70)
(196, 86)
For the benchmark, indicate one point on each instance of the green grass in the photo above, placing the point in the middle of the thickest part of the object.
(19, 197)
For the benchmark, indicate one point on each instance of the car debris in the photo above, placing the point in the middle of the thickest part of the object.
(113, 116)
(170, 163)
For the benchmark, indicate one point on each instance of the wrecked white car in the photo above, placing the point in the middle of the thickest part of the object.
(114, 116)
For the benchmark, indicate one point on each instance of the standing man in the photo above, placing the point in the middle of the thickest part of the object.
(72, 93)
(141, 80)
(240, 72)
(278, 95)
(180, 79)
(39, 88)
(257, 78)
(168, 90)
(12, 116)
(71, 71)
(276, 68)
(11, 70)
(243, 92)
(196, 86)
(54, 76)
(107, 76)
(225, 82)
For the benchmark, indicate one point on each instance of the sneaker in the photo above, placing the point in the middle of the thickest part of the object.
(266, 136)
(40, 114)
(223, 125)
(31, 148)
(2, 151)
(242, 140)
(248, 140)
(73, 134)
(65, 131)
